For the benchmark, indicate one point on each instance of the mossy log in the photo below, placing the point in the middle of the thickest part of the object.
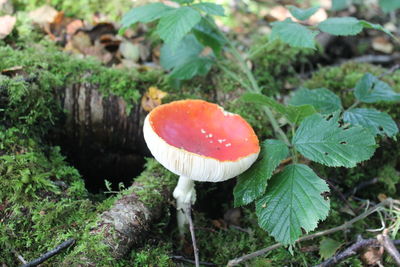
(52, 93)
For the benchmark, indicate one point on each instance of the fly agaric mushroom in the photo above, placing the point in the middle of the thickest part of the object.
(199, 141)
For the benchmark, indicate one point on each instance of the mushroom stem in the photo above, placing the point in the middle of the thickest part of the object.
(185, 195)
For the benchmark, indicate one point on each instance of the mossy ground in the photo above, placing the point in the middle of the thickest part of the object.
(43, 199)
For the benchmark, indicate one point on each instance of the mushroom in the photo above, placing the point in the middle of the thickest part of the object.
(199, 141)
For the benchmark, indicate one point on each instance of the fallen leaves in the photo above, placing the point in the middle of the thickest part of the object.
(7, 24)
(152, 98)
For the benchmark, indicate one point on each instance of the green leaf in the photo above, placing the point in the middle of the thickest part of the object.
(302, 14)
(294, 34)
(377, 122)
(323, 141)
(208, 36)
(292, 202)
(370, 89)
(294, 114)
(323, 100)
(197, 66)
(389, 5)
(369, 25)
(145, 14)
(210, 8)
(189, 48)
(252, 183)
(338, 5)
(341, 26)
(328, 247)
(183, 1)
(174, 25)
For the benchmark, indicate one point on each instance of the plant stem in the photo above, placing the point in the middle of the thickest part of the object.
(254, 86)
(387, 202)
(355, 104)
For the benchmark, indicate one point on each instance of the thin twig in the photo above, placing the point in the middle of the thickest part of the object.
(346, 225)
(360, 186)
(50, 254)
(188, 213)
(387, 243)
(341, 196)
(181, 258)
(350, 251)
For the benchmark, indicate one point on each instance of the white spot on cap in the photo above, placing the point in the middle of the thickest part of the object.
(211, 142)
(229, 144)
(221, 140)
(202, 131)
(210, 135)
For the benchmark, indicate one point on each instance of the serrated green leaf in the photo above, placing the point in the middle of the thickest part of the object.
(323, 141)
(174, 25)
(328, 247)
(252, 183)
(323, 100)
(369, 89)
(377, 122)
(369, 25)
(189, 48)
(292, 202)
(341, 26)
(145, 14)
(210, 8)
(294, 34)
(197, 66)
(302, 14)
(208, 36)
(294, 114)
(338, 5)
(389, 5)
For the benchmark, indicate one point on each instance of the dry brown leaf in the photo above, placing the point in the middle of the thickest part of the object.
(14, 71)
(381, 44)
(152, 98)
(7, 23)
(372, 256)
(43, 15)
(382, 197)
(74, 26)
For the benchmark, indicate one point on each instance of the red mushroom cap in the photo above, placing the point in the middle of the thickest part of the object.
(200, 140)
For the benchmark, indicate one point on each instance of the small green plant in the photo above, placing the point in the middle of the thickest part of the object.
(289, 199)
(385, 5)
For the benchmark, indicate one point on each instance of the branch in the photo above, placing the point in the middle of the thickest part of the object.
(388, 244)
(386, 202)
(188, 213)
(50, 254)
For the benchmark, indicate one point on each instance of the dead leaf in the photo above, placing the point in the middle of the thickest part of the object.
(7, 23)
(318, 17)
(381, 44)
(152, 98)
(220, 224)
(372, 255)
(382, 197)
(14, 71)
(43, 15)
(74, 26)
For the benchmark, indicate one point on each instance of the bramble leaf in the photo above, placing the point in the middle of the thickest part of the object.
(325, 142)
(145, 14)
(187, 49)
(323, 100)
(302, 14)
(378, 27)
(338, 5)
(252, 183)
(328, 247)
(370, 89)
(208, 36)
(341, 26)
(210, 8)
(294, 114)
(294, 34)
(292, 202)
(196, 66)
(377, 122)
(175, 24)
(389, 5)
